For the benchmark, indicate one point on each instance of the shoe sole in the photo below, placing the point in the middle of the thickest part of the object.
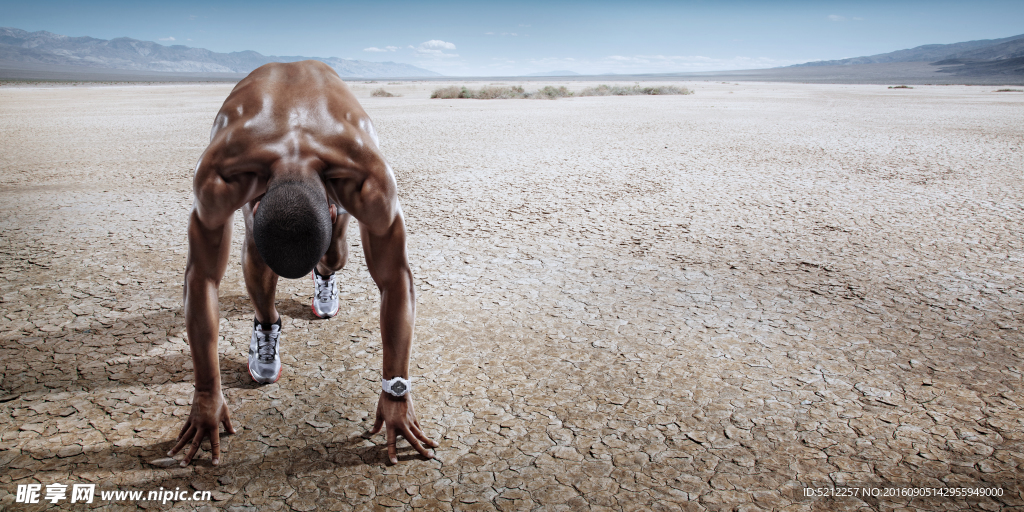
(313, 309)
(271, 382)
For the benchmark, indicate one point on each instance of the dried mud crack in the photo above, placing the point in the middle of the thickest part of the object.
(705, 302)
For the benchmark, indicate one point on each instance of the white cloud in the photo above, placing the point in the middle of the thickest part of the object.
(836, 17)
(437, 44)
(385, 49)
(167, 38)
(432, 55)
(434, 50)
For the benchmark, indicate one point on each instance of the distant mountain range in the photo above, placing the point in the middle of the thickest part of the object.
(973, 58)
(18, 47)
(561, 72)
(44, 55)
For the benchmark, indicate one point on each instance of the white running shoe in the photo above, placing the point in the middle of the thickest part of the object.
(325, 296)
(265, 354)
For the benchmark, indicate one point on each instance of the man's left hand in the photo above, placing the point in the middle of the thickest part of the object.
(398, 416)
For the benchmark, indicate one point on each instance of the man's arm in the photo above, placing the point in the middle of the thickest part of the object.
(388, 264)
(372, 198)
(208, 250)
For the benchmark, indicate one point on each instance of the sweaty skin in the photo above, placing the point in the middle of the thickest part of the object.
(294, 121)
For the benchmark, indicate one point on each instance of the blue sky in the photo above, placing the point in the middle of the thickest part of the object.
(519, 37)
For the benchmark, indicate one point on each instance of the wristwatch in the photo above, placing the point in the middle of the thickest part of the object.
(396, 387)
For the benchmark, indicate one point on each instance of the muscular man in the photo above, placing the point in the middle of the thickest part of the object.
(294, 150)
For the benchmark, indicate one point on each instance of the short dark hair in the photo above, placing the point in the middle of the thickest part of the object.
(292, 227)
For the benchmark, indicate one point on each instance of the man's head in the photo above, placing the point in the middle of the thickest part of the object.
(292, 227)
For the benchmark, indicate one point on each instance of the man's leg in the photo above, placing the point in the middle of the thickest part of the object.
(337, 252)
(325, 284)
(261, 282)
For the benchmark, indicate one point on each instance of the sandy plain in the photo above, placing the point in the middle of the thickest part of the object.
(703, 302)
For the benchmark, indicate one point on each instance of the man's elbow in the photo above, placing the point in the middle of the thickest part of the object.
(383, 212)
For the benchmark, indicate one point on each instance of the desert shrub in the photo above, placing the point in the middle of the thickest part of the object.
(622, 90)
(447, 93)
(381, 93)
(900, 87)
(498, 93)
(665, 89)
(484, 93)
(1009, 90)
(601, 90)
(550, 92)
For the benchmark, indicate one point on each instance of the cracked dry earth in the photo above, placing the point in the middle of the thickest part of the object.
(705, 302)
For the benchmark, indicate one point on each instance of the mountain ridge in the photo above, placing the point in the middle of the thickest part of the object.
(123, 53)
(560, 72)
(979, 57)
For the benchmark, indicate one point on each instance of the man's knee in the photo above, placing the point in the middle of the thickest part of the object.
(336, 258)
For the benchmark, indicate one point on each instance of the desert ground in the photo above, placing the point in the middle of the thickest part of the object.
(701, 302)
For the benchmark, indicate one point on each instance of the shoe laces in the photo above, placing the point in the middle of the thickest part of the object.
(325, 289)
(266, 344)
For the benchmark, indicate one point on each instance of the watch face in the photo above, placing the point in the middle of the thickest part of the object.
(398, 388)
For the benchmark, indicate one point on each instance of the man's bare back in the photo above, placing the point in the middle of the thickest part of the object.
(293, 133)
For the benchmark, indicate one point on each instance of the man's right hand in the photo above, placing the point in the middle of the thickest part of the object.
(209, 410)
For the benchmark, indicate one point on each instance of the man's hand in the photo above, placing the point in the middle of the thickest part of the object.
(209, 410)
(397, 413)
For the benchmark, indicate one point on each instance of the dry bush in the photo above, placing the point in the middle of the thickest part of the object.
(1009, 90)
(601, 90)
(667, 89)
(900, 87)
(622, 90)
(381, 93)
(484, 93)
(447, 93)
(498, 93)
(550, 93)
